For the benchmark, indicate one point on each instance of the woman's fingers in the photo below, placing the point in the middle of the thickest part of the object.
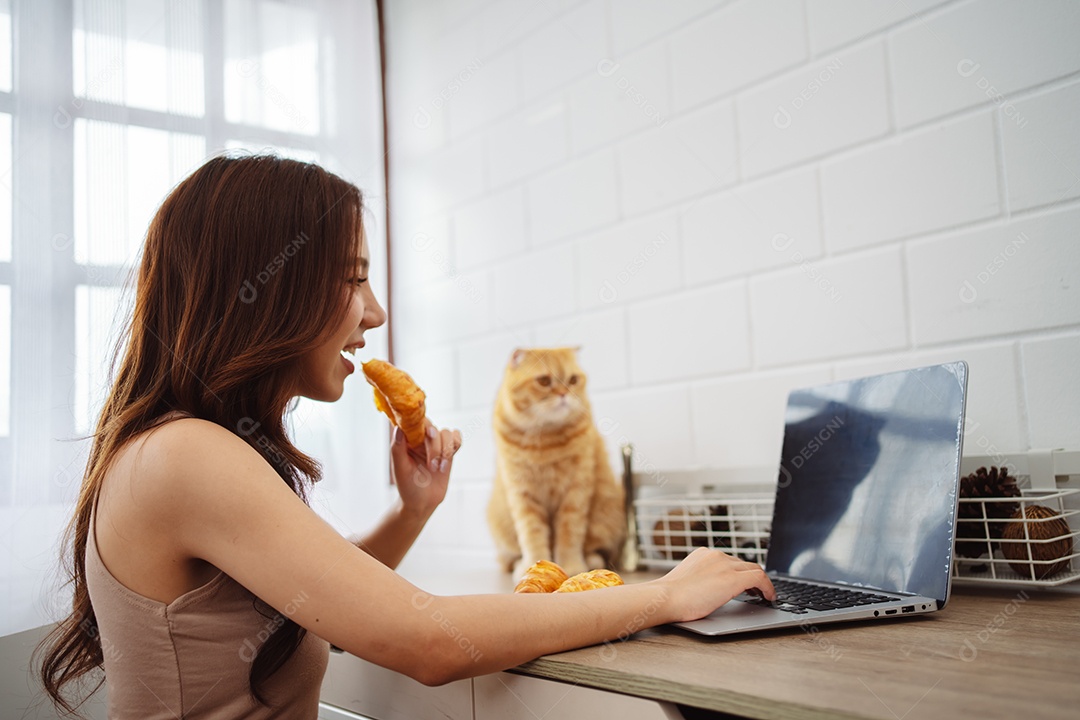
(752, 575)
(442, 445)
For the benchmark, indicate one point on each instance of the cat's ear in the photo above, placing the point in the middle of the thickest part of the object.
(517, 357)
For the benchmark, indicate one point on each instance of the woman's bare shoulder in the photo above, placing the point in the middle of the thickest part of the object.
(175, 467)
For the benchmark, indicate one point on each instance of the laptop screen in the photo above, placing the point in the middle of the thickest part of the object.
(868, 481)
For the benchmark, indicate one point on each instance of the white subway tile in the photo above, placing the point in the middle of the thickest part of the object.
(751, 228)
(980, 52)
(441, 530)
(434, 370)
(837, 22)
(940, 177)
(473, 532)
(655, 420)
(536, 286)
(480, 92)
(480, 367)
(507, 22)
(452, 47)
(428, 76)
(527, 142)
(1009, 278)
(1042, 148)
(418, 45)
(622, 95)
(679, 159)
(831, 104)
(993, 414)
(421, 249)
(743, 42)
(490, 229)
(442, 312)
(739, 422)
(567, 48)
(691, 335)
(420, 128)
(828, 309)
(475, 461)
(578, 196)
(1052, 391)
(602, 338)
(631, 261)
(456, 12)
(448, 176)
(634, 22)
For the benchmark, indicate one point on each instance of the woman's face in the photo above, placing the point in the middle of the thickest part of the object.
(322, 371)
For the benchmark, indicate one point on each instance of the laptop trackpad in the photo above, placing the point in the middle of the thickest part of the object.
(736, 616)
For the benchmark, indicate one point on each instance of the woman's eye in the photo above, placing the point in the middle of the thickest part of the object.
(359, 281)
(544, 380)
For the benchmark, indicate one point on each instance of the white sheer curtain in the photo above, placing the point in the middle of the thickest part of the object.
(110, 103)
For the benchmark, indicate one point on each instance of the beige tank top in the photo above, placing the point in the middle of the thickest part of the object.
(190, 658)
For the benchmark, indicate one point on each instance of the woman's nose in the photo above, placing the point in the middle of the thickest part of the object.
(375, 315)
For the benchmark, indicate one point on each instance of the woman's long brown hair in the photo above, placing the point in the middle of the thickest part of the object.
(242, 272)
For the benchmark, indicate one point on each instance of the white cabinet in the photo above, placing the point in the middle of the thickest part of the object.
(369, 691)
(504, 696)
(375, 692)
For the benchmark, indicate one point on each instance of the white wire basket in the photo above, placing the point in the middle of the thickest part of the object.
(731, 508)
(671, 527)
(1015, 551)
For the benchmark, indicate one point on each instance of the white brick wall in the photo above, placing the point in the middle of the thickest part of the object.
(970, 53)
(720, 201)
(894, 189)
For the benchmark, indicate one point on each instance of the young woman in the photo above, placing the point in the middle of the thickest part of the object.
(204, 585)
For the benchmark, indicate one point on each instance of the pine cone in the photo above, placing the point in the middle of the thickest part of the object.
(995, 483)
(719, 524)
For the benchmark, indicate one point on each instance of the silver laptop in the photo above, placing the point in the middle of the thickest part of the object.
(866, 499)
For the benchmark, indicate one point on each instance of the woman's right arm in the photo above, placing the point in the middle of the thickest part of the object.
(224, 504)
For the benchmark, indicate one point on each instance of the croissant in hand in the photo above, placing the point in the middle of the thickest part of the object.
(397, 395)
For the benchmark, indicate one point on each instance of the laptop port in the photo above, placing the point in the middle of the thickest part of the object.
(891, 612)
(909, 608)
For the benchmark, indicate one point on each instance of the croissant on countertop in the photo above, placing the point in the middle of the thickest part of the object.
(590, 580)
(543, 577)
(397, 395)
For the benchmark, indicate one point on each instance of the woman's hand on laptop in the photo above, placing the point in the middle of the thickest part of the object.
(707, 579)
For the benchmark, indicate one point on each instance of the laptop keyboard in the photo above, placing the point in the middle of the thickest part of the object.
(796, 597)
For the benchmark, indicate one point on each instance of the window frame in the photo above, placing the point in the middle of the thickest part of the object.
(44, 108)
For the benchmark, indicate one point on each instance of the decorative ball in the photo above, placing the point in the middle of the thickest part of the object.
(754, 551)
(677, 534)
(973, 538)
(1042, 523)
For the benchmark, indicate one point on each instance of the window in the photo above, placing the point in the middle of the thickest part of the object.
(109, 104)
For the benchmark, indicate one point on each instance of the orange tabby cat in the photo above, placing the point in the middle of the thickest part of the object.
(555, 497)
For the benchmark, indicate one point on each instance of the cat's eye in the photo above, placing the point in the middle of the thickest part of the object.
(544, 380)
(573, 379)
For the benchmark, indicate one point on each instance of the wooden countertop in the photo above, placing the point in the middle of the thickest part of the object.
(996, 652)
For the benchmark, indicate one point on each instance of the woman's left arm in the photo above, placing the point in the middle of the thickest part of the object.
(421, 476)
